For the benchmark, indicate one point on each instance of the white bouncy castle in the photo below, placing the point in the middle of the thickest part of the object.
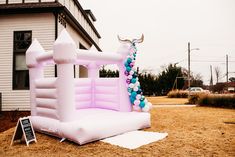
(85, 109)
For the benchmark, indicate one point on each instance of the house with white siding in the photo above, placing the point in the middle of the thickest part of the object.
(23, 20)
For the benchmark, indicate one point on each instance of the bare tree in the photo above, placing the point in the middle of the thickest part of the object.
(198, 76)
(217, 73)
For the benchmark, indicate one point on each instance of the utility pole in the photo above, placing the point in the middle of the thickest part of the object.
(227, 68)
(211, 81)
(189, 51)
(189, 67)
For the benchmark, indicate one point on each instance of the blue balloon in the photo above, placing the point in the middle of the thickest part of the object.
(133, 95)
(134, 55)
(132, 100)
(129, 90)
(142, 104)
(133, 80)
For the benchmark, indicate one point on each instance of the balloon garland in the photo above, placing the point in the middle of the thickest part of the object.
(137, 99)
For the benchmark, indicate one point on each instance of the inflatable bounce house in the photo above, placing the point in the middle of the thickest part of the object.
(85, 109)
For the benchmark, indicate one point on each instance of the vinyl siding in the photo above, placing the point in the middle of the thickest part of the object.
(43, 28)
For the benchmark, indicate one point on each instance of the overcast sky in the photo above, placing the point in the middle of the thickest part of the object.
(168, 25)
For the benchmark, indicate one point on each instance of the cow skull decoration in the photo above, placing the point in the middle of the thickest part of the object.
(133, 41)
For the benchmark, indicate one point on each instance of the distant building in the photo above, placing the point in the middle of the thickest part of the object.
(224, 87)
(23, 20)
(230, 87)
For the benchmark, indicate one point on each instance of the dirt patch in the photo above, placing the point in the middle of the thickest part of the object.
(8, 119)
(196, 131)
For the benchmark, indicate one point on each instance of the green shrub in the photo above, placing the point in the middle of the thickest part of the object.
(217, 100)
(177, 94)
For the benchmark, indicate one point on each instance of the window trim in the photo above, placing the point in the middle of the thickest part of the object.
(14, 54)
(74, 66)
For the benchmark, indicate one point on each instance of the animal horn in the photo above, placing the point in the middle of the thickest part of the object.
(138, 40)
(123, 40)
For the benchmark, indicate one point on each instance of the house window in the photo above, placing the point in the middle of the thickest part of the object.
(83, 72)
(22, 40)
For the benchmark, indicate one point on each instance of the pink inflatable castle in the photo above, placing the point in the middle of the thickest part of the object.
(85, 109)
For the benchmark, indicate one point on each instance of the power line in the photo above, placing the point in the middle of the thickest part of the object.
(209, 61)
(222, 76)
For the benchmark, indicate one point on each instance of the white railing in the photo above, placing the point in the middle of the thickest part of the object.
(79, 16)
(24, 1)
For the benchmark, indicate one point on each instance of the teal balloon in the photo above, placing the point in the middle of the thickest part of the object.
(126, 64)
(142, 104)
(129, 60)
(133, 80)
(133, 95)
(139, 91)
(128, 69)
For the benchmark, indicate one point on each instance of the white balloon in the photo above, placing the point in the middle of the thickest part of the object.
(131, 53)
(135, 89)
(129, 77)
(136, 102)
(150, 105)
(137, 83)
(131, 85)
(136, 108)
(131, 72)
(132, 50)
(138, 96)
(146, 101)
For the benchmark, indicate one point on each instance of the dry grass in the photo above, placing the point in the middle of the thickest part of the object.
(178, 94)
(196, 131)
(164, 100)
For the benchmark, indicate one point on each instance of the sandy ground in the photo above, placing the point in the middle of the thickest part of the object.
(195, 131)
(164, 100)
